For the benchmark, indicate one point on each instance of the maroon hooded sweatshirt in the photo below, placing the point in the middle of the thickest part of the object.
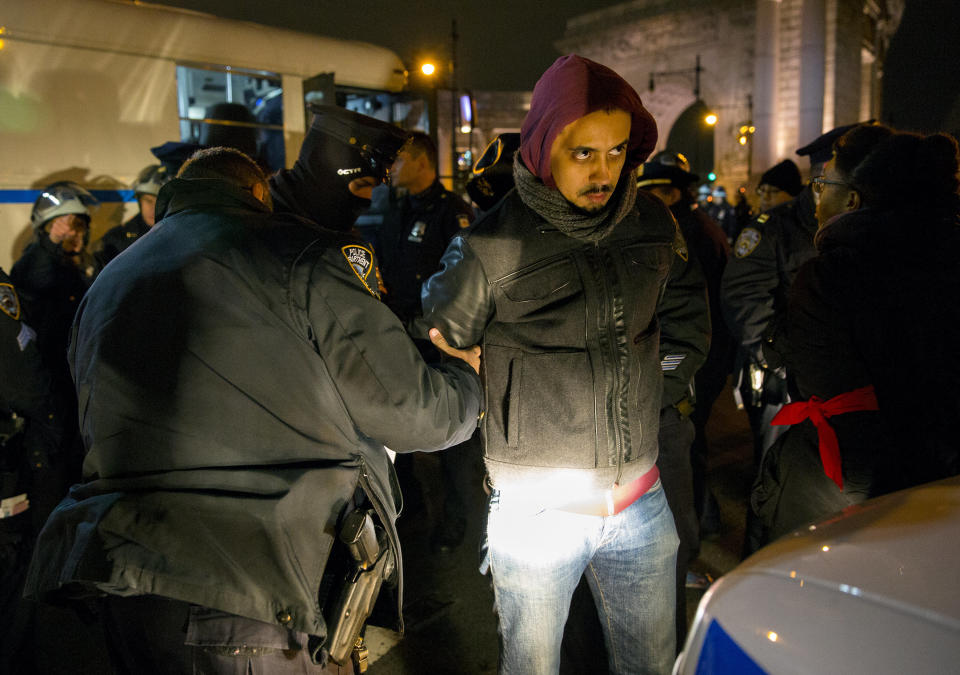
(571, 88)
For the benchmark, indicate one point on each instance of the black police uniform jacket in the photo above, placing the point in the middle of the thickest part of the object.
(410, 235)
(30, 425)
(238, 379)
(571, 340)
(117, 239)
(766, 256)
(874, 308)
(51, 287)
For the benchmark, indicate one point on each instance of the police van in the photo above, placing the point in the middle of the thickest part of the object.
(88, 87)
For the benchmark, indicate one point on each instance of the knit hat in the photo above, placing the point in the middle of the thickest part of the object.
(571, 88)
(784, 176)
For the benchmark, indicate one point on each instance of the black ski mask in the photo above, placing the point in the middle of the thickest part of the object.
(340, 146)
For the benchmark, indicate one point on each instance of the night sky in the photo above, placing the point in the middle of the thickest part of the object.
(922, 77)
(506, 44)
(503, 45)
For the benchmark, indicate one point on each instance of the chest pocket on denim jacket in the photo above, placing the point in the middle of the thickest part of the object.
(545, 300)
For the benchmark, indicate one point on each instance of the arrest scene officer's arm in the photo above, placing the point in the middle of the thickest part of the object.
(391, 394)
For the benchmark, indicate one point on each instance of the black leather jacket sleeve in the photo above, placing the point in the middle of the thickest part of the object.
(684, 317)
(389, 392)
(457, 299)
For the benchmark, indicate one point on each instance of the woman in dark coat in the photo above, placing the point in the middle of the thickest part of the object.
(870, 333)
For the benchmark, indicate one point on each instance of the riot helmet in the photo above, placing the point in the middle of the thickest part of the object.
(151, 179)
(59, 199)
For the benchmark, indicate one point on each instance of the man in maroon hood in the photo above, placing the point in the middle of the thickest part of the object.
(562, 281)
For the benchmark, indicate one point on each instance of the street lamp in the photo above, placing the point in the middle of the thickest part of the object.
(428, 69)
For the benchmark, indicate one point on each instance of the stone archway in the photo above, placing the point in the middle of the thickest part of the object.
(694, 138)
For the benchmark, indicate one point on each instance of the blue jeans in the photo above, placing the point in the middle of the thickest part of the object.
(536, 558)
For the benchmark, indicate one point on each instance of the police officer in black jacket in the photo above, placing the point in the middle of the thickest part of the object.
(30, 436)
(240, 380)
(409, 224)
(145, 187)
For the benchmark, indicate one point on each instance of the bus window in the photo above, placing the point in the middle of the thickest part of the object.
(220, 105)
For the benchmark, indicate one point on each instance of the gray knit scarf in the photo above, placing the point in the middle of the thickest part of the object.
(553, 207)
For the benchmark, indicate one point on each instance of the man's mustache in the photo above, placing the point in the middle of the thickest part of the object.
(595, 189)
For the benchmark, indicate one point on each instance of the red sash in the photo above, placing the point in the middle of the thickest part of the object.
(817, 411)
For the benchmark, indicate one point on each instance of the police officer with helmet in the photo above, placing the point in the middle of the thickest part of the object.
(55, 270)
(51, 278)
(145, 187)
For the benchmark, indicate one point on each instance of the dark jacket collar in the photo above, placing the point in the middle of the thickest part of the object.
(179, 195)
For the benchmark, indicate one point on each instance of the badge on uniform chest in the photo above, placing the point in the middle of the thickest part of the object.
(417, 231)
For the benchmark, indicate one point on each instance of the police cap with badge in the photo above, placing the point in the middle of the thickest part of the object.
(820, 150)
(493, 173)
(666, 169)
(340, 147)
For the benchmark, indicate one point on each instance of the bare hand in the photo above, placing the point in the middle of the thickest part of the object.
(68, 231)
(363, 187)
(470, 355)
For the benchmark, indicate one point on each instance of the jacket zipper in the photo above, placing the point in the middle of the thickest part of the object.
(608, 318)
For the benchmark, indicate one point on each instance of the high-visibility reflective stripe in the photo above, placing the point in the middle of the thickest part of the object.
(721, 655)
(30, 196)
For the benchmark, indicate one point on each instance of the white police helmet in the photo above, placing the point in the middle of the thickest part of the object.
(60, 199)
(151, 179)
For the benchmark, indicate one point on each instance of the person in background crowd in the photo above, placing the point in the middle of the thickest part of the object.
(704, 197)
(51, 278)
(561, 281)
(30, 487)
(779, 184)
(743, 209)
(117, 239)
(870, 333)
(409, 224)
(668, 176)
(240, 379)
(680, 363)
(765, 259)
(55, 270)
(723, 213)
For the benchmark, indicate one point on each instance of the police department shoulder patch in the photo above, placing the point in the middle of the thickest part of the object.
(9, 302)
(746, 242)
(360, 259)
(763, 217)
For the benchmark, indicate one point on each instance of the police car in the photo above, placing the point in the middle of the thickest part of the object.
(873, 590)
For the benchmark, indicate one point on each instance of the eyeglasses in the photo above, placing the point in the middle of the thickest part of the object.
(768, 191)
(819, 183)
